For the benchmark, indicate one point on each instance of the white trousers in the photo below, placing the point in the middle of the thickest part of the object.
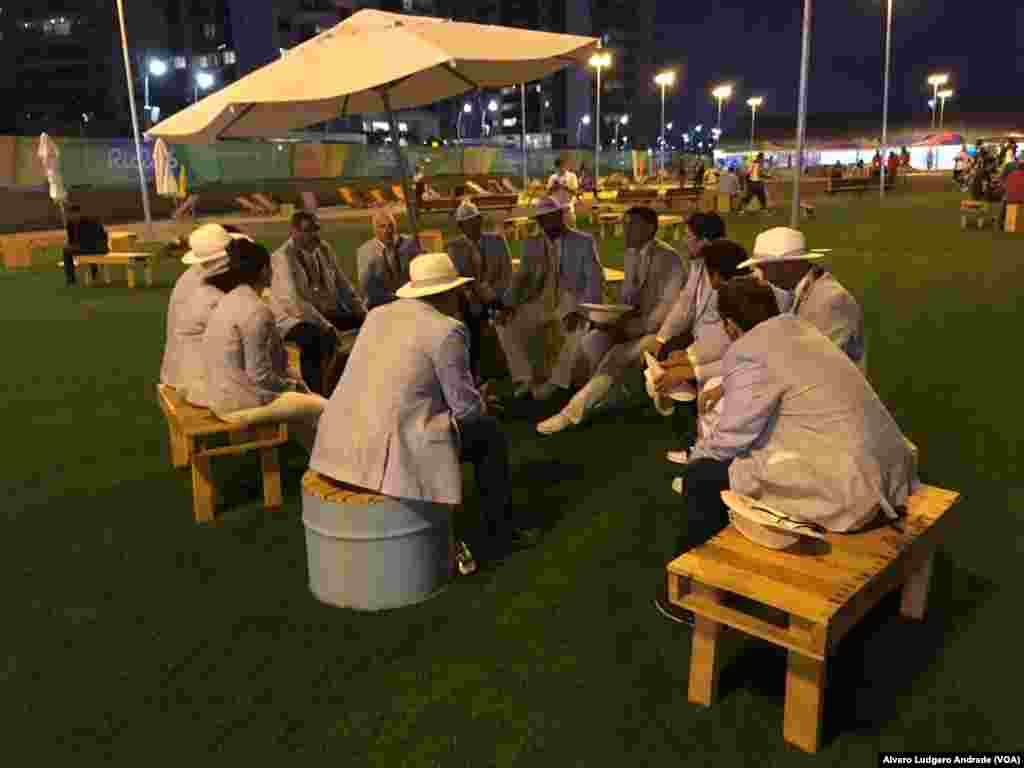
(526, 338)
(301, 411)
(606, 363)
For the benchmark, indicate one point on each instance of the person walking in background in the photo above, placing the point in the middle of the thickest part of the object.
(755, 184)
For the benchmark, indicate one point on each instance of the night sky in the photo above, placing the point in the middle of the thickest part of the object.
(756, 45)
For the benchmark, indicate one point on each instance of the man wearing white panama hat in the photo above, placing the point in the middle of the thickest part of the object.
(485, 257)
(188, 311)
(801, 429)
(406, 412)
(782, 256)
(561, 269)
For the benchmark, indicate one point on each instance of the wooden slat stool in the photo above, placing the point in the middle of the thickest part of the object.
(190, 430)
(130, 262)
(1014, 217)
(822, 591)
(611, 221)
(516, 227)
(673, 224)
(975, 211)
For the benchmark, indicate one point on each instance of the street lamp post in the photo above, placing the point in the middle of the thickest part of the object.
(599, 61)
(624, 120)
(204, 81)
(467, 109)
(801, 115)
(885, 97)
(936, 82)
(492, 107)
(943, 95)
(585, 120)
(522, 129)
(721, 93)
(665, 80)
(156, 68)
(753, 103)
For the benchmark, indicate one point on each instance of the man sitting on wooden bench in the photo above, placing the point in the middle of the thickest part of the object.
(86, 237)
(801, 430)
(313, 300)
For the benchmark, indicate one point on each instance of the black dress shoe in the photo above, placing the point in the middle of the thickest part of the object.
(673, 612)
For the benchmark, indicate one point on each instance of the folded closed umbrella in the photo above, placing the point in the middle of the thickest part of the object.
(49, 156)
(166, 185)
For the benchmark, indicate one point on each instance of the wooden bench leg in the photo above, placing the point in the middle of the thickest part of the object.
(805, 695)
(86, 274)
(914, 600)
(704, 659)
(148, 272)
(179, 448)
(130, 274)
(271, 477)
(204, 491)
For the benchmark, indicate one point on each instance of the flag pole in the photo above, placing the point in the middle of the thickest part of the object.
(135, 122)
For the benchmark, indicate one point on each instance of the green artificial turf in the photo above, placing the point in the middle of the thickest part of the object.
(132, 635)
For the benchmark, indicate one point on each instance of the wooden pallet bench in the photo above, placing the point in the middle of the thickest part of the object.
(823, 591)
(683, 198)
(192, 428)
(672, 225)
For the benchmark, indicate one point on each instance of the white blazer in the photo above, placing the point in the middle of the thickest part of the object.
(805, 431)
(389, 424)
(822, 301)
(192, 302)
(246, 365)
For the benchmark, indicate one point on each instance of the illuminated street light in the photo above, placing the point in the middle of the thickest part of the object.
(598, 61)
(753, 103)
(721, 93)
(943, 95)
(156, 68)
(936, 82)
(665, 80)
(204, 81)
(624, 120)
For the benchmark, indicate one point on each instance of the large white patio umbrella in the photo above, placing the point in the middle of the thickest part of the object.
(374, 62)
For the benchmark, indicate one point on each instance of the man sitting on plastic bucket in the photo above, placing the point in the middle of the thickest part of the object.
(406, 412)
(801, 432)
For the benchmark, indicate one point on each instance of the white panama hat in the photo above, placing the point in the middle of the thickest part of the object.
(765, 526)
(782, 244)
(466, 211)
(208, 244)
(430, 274)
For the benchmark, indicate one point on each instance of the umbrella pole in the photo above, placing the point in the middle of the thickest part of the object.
(801, 120)
(135, 122)
(410, 196)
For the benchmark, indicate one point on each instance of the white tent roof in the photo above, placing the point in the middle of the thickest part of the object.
(419, 59)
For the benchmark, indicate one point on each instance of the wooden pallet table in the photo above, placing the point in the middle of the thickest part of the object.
(673, 224)
(975, 212)
(823, 589)
(130, 262)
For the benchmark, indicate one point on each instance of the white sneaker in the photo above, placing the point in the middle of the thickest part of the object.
(556, 423)
(677, 485)
(678, 457)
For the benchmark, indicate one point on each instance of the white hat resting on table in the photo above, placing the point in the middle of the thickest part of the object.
(466, 211)
(208, 246)
(430, 274)
(782, 244)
